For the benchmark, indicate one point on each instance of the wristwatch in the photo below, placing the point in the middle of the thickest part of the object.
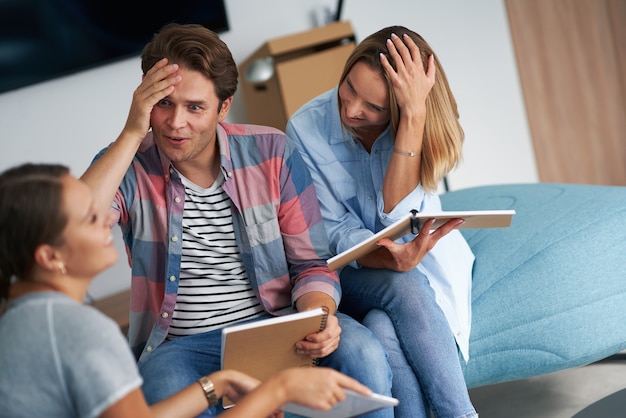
(209, 390)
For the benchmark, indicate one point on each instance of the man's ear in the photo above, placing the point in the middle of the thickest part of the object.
(224, 109)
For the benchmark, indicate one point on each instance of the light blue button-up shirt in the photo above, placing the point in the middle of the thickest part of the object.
(349, 183)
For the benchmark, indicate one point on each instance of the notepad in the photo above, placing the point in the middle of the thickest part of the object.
(264, 347)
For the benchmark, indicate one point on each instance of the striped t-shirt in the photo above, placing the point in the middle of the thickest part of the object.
(214, 289)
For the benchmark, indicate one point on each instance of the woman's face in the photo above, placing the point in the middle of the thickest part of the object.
(87, 247)
(364, 99)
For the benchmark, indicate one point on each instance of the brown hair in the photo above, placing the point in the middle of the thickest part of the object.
(443, 134)
(31, 214)
(196, 48)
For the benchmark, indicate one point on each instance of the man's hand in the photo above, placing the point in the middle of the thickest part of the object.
(323, 343)
(156, 84)
(105, 175)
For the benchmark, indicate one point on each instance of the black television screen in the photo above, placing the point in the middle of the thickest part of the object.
(43, 39)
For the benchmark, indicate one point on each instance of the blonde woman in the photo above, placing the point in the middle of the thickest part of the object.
(378, 145)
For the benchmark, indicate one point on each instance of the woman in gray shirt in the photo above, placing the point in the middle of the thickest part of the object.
(60, 358)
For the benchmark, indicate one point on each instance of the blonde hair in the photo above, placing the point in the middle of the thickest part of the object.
(443, 134)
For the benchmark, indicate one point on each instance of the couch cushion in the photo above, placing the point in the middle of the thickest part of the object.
(549, 292)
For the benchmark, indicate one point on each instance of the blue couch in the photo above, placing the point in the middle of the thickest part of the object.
(549, 292)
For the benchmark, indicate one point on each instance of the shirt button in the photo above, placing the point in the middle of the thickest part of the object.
(164, 315)
(149, 348)
(172, 278)
(177, 199)
(175, 238)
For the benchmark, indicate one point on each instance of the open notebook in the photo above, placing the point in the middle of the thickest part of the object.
(412, 223)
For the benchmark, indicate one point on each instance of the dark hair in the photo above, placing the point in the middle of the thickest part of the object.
(196, 48)
(443, 134)
(31, 214)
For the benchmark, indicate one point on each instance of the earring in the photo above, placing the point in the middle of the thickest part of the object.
(62, 268)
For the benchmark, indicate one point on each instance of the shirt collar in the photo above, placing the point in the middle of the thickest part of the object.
(226, 162)
(336, 136)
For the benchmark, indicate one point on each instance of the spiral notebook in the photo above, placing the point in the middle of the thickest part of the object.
(264, 347)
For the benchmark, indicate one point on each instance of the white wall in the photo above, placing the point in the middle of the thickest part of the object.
(69, 119)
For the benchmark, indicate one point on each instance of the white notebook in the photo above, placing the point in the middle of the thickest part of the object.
(355, 404)
(411, 224)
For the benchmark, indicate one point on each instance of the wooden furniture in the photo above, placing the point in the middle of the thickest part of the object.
(571, 56)
(116, 307)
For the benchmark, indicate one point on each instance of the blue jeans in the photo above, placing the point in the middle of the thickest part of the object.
(400, 308)
(179, 363)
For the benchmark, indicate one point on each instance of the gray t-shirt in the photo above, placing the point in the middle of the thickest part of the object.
(59, 358)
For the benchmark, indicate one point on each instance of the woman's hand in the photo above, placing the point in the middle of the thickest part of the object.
(405, 257)
(316, 387)
(233, 384)
(411, 82)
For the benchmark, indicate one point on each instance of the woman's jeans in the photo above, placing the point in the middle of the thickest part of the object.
(181, 362)
(401, 310)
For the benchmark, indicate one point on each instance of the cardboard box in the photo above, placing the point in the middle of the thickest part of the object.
(301, 66)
